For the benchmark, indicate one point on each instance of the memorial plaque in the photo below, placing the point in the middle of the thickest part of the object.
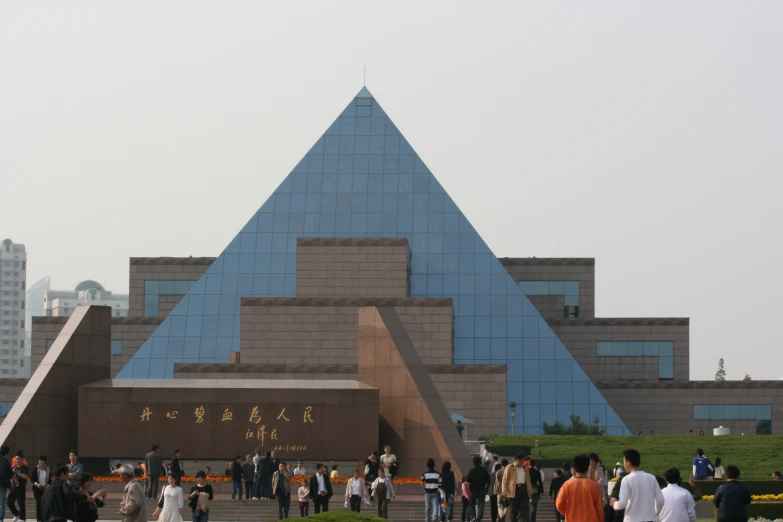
(222, 418)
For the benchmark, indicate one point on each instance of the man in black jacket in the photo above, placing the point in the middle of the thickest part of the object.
(265, 475)
(154, 463)
(478, 478)
(5, 477)
(42, 479)
(320, 489)
(538, 488)
(176, 467)
(57, 501)
(732, 498)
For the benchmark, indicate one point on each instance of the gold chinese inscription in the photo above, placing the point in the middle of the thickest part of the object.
(307, 415)
(255, 417)
(199, 414)
(172, 414)
(227, 415)
(249, 434)
(274, 435)
(289, 447)
(261, 434)
(146, 413)
(282, 416)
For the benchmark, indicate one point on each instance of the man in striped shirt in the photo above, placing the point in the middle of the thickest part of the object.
(430, 482)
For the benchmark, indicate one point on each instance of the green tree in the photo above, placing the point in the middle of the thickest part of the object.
(720, 375)
(747, 377)
(577, 427)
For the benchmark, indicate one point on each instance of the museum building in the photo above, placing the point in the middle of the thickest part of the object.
(361, 224)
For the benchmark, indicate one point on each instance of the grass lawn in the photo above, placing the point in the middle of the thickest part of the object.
(757, 456)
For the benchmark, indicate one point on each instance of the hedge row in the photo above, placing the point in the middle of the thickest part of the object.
(756, 487)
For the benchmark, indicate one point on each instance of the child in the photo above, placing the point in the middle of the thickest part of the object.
(465, 500)
(304, 501)
(554, 489)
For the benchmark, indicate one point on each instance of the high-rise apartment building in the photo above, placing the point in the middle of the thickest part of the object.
(13, 285)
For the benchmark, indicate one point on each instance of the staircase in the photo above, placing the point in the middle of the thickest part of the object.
(266, 510)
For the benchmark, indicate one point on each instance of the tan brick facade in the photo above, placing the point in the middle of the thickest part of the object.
(162, 269)
(352, 267)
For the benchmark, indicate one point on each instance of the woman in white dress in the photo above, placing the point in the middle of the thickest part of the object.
(170, 504)
(389, 462)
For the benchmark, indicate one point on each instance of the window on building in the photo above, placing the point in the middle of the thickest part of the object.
(664, 350)
(732, 412)
(49, 343)
(116, 347)
(24, 265)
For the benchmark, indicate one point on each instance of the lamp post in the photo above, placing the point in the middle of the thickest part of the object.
(513, 406)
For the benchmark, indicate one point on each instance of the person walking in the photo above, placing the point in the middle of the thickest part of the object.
(554, 488)
(465, 491)
(304, 499)
(248, 470)
(320, 489)
(430, 482)
(200, 495)
(702, 467)
(449, 485)
(678, 504)
(371, 467)
(478, 478)
(537, 483)
(86, 503)
(383, 490)
(299, 469)
(42, 478)
(236, 478)
(176, 467)
(5, 478)
(640, 496)
(355, 492)
(75, 469)
(719, 470)
(171, 502)
(281, 490)
(265, 475)
(619, 514)
(579, 499)
(18, 493)
(57, 501)
(154, 463)
(389, 462)
(517, 490)
(133, 507)
(257, 473)
(732, 498)
(493, 497)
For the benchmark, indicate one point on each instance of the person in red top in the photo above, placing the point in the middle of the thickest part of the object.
(579, 499)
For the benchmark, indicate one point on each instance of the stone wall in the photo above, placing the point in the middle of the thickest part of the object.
(162, 269)
(324, 331)
(352, 267)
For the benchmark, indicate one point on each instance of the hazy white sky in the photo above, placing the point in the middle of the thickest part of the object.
(646, 135)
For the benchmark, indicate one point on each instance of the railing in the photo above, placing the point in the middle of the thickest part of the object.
(474, 446)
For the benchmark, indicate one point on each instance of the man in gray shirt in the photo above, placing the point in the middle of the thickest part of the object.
(75, 469)
(154, 464)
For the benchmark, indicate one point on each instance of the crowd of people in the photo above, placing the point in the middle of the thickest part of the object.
(580, 491)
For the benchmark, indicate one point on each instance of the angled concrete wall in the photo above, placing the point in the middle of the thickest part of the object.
(44, 418)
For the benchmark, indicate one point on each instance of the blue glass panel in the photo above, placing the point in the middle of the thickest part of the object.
(717, 411)
(748, 412)
(635, 349)
(733, 412)
(764, 412)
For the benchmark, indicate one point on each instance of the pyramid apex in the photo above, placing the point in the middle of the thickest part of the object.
(364, 93)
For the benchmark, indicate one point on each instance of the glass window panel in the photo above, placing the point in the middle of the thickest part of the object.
(557, 288)
(666, 349)
(635, 349)
(528, 287)
(651, 348)
(733, 412)
(717, 411)
(547, 369)
(548, 393)
(604, 348)
(540, 288)
(620, 348)
(764, 411)
(666, 368)
(572, 287)
(748, 411)
(572, 300)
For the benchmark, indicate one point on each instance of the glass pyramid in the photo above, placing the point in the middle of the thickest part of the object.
(363, 179)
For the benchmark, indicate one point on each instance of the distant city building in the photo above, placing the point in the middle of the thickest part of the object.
(61, 303)
(13, 283)
(34, 308)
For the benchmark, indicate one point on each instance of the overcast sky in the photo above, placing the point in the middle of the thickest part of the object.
(646, 135)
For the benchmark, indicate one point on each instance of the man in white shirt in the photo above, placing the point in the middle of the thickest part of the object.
(678, 502)
(640, 495)
(299, 469)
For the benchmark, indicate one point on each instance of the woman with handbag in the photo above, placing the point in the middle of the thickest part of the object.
(355, 492)
(389, 462)
(171, 502)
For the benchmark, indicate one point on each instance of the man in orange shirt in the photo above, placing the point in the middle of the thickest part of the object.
(580, 498)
